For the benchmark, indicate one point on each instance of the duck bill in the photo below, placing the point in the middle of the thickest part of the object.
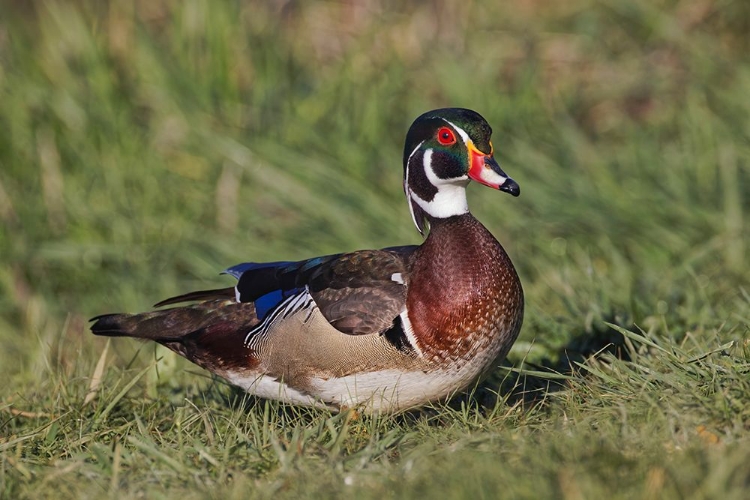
(485, 170)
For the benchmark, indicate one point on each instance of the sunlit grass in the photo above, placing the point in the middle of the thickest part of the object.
(146, 148)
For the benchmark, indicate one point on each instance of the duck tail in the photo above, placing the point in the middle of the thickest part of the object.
(168, 325)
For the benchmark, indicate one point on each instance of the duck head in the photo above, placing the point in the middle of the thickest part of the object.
(445, 149)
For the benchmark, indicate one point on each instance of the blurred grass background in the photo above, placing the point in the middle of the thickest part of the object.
(145, 146)
(149, 145)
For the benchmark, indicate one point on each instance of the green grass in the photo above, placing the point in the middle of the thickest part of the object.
(145, 149)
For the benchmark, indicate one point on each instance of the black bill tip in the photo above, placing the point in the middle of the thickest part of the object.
(511, 187)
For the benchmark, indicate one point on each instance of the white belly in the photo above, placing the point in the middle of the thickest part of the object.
(372, 392)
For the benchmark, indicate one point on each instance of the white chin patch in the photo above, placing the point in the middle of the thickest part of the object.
(491, 178)
(450, 198)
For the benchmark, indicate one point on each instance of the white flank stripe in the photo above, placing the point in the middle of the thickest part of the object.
(397, 278)
(409, 331)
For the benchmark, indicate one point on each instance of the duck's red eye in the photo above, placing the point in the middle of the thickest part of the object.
(446, 137)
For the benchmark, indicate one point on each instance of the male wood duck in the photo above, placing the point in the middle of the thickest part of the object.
(379, 330)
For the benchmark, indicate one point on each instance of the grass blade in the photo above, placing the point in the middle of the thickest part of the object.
(120, 395)
(96, 377)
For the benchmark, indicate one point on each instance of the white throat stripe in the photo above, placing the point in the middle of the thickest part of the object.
(450, 198)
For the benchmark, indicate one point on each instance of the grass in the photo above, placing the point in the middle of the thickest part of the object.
(147, 147)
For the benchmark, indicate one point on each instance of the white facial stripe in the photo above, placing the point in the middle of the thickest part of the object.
(407, 190)
(415, 150)
(463, 135)
(461, 132)
(396, 277)
(450, 199)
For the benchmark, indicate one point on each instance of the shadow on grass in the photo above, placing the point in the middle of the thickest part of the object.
(531, 387)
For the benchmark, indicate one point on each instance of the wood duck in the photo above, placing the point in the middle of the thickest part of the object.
(378, 330)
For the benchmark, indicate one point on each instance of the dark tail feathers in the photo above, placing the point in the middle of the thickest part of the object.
(163, 326)
(111, 325)
(169, 324)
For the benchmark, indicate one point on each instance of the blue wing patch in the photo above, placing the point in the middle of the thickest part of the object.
(299, 301)
(268, 302)
(269, 285)
(261, 274)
